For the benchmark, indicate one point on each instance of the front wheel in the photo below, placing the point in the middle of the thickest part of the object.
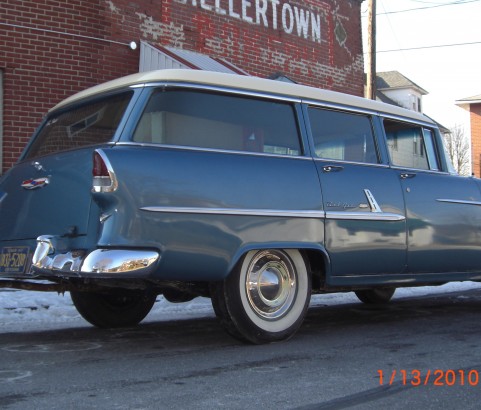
(121, 308)
(266, 296)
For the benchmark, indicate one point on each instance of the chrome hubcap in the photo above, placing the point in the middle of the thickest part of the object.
(271, 284)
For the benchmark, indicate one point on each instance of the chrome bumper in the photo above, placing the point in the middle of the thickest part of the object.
(98, 263)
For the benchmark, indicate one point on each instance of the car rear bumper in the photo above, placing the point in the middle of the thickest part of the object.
(98, 263)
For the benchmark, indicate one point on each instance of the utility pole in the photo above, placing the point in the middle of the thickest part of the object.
(371, 52)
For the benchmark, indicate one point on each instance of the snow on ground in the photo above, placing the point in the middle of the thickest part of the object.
(34, 311)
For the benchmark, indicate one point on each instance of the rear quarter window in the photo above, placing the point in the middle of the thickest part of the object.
(411, 145)
(342, 136)
(219, 121)
(88, 124)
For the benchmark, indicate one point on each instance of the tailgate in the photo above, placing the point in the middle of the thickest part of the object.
(50, 195)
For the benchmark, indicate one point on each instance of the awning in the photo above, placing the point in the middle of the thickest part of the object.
(163, 57)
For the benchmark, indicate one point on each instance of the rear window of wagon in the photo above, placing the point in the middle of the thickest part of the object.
(87, 124)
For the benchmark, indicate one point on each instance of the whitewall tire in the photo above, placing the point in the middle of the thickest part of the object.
(266, 296)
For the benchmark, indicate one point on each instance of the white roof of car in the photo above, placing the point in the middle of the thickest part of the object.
(247, 83)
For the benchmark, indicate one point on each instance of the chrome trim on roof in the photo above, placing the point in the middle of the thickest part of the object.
(225, 89)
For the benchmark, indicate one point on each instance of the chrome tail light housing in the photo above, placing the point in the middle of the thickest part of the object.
(104, 179)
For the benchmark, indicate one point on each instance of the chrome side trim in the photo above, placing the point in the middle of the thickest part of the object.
(417, 170)
(221, 151)
(3, 195)
(372, 201)
(236, 212)
(459, 201)
(338, 161)
(376, 213)
(365, 216)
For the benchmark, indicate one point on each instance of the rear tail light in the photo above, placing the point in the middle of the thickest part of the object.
(104, 179)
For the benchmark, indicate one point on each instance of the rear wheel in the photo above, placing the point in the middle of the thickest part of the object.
(121, 308)
(375, 296)
(266, 296)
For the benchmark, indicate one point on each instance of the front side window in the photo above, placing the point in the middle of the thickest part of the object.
(411, 146)
(342, 136)
(89, 124)
(219, 121)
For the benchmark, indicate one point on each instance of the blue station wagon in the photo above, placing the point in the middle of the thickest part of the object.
(252, 192)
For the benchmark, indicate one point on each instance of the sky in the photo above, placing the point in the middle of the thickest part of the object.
(446, 73)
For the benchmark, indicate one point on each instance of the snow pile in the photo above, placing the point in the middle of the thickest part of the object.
(30, 311)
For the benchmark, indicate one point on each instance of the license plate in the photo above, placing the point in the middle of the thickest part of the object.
(14, 259)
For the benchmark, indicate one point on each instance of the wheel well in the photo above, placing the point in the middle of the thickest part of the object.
(316, 265)
(317, 261)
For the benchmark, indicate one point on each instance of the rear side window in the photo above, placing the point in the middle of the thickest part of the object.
(411, 146)
(88, 124)
(219, 121)
(342, 136)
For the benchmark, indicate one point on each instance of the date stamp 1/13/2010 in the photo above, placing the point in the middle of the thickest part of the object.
(437, 377)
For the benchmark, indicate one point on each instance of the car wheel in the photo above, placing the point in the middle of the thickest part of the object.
(119, 309)
(266, 296)
(375, 296)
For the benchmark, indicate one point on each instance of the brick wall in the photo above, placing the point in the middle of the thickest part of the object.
(331, 58)
(42, 66)
(475, 115)
(53, 48)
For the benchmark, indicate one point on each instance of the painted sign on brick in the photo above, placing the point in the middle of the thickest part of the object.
(273, 14)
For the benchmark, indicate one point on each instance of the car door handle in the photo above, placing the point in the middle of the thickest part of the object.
(407, 175)
(332, 168)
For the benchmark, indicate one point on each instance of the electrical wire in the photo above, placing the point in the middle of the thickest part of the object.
(428, 47)
(456, 3)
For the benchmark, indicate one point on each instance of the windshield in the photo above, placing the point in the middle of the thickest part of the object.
(87, 124)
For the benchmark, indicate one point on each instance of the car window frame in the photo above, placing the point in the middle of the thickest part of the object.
(148, 89)
(135, 94)
(436, 139)
(375, 127)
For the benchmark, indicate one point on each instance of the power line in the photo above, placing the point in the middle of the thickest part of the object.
(456, 3)
(427, 47)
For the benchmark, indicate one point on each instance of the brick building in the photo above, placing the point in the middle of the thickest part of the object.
(473, 105)
(53, 48)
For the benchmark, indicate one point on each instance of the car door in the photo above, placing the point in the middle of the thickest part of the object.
(443, 210)
(365, 227)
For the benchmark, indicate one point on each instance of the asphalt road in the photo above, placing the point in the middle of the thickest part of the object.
(426, 349)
